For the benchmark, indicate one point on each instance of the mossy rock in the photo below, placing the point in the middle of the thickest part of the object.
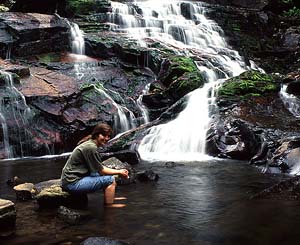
(54, 196)
(248, 84)
(82, 7)
(175, 67)
(185, 84)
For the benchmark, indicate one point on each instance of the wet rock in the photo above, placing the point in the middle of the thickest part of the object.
(54, 196)
(24, 191)
(232, 138)
(102, 241)
(129, 156)
(286, 156)
(33, 33)
(115, 163)
(147, 175)
(73, 216)
(7, 217)
(21, 71)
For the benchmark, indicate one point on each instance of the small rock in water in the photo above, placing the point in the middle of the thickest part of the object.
(15, 181)
(72, 216)
(147, 175)
(102, 241)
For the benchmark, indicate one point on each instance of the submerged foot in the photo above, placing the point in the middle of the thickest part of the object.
(115, 205)
(120, 198)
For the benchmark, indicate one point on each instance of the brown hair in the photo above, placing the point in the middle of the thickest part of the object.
(101, 128)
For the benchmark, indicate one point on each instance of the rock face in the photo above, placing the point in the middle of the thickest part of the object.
(25, 34)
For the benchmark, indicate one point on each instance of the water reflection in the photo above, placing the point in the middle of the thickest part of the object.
(193, 203)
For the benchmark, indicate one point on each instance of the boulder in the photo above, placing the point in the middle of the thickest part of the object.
(7, 217)
(115, 163)
(232, 138)
(52, 196)
(73, 216)
(147, 175)
(130, 156)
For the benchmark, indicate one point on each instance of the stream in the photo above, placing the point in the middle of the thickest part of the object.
(191, 203)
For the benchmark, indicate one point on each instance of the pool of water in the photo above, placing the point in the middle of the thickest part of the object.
(191, 203)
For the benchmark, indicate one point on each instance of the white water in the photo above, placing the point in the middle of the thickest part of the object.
(162, 21)
(291, 102)
(78, 46)
(142, 107)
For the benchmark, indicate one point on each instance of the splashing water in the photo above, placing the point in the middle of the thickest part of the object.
(183, 25)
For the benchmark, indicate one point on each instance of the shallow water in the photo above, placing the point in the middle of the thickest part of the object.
(192, 203)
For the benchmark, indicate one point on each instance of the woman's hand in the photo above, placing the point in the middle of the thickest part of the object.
(124, 173)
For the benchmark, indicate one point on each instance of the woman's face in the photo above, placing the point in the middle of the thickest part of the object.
(102, 139)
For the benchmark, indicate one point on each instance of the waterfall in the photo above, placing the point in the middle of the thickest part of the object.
(142, 107)
(291, 102)
(124, 119)
(183, 25)
(14, 115)
(78, 46)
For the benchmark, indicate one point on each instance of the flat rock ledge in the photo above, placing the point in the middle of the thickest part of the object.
(7, 217)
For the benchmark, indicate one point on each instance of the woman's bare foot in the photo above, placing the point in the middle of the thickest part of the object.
(115, 205)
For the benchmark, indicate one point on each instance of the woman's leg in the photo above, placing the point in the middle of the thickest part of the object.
(109, 193)
(90, 184)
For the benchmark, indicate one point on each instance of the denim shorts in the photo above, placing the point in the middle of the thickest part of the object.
(91, 183)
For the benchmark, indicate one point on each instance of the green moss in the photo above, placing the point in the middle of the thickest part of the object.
(78, 7)
(248, 84)
(184, 64)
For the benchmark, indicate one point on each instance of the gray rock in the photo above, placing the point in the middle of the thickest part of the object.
(72, 216)
(115, 163)
(102, 241)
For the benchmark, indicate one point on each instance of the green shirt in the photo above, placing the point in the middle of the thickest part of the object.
(83, 161)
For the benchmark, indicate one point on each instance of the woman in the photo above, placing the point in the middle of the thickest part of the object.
(83, 171)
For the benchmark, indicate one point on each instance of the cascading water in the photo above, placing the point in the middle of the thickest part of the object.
(183, 25)
(78, 46)
(291, 102)
(142, 107)
(124, 119)
(14, 116)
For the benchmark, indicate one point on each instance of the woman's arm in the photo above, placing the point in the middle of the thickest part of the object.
(110, 171)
